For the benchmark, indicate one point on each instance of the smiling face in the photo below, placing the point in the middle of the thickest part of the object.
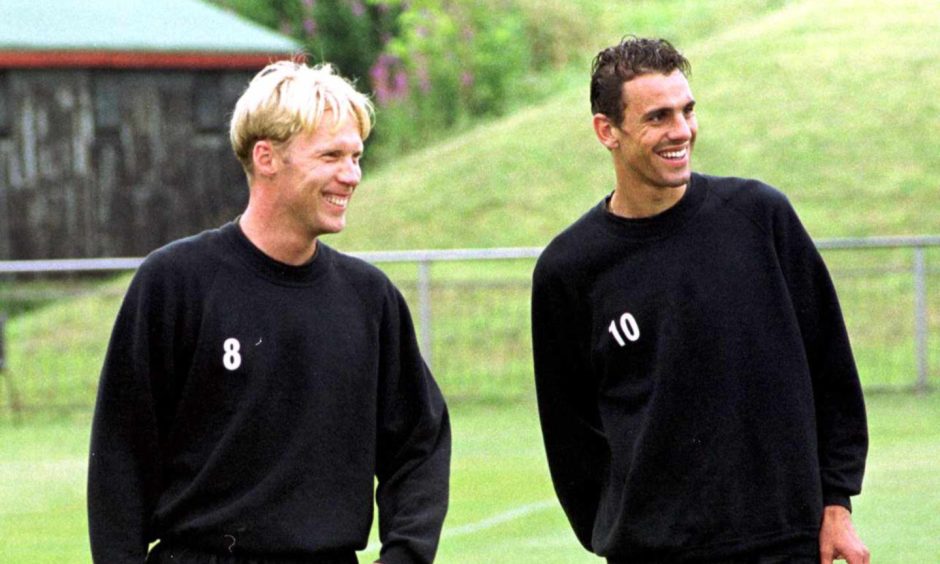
(318, 173)
(652, 147)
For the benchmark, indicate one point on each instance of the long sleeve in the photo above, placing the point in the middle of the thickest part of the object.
(840, 408)
(414, 445)
(124, 465)
(575, 444)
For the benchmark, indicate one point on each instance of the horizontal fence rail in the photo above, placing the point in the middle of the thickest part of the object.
(473, 323)
(429, 255)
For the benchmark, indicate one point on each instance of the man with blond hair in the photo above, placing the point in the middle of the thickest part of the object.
(259, 383)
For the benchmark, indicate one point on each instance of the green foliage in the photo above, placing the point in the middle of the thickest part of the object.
(453, 64)
(438, 67)
(447, 64)
(433, 67)
(349, 34)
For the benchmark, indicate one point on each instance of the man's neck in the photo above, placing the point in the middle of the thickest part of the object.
(644, 201)
(275, 239)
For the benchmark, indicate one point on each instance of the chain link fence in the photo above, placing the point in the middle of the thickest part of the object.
(471, 310)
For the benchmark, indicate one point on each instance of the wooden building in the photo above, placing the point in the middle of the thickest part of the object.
(114, 122)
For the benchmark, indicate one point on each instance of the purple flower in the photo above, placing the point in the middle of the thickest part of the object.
(358, 9)
(424, 80)
(389, 79)
(310, 26)
(466, 79)
(401, 84)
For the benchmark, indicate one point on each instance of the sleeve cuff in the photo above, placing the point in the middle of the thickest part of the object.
(397, 555)
(837, 499)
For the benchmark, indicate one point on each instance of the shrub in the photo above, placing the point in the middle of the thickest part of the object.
(350, 34)
(432, 65)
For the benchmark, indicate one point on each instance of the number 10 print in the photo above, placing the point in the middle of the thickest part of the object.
(628, 327)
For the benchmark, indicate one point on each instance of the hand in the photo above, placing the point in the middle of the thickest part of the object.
(838, 539)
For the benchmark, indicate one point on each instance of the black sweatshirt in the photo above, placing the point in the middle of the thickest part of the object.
(696, 387)
(246, 407)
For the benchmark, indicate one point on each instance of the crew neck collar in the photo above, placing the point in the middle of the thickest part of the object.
(661, 224)
(272, 269)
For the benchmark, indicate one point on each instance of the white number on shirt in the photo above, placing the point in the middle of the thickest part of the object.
(231, 359)
(628, 327)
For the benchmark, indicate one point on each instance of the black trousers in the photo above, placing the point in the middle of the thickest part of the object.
(766, 559)
(164, 553)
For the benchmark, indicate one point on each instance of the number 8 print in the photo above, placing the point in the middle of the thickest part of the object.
(231, 359)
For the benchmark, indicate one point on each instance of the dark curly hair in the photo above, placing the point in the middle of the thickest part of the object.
(620, 63)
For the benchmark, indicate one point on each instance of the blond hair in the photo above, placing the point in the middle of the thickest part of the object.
(287, 98)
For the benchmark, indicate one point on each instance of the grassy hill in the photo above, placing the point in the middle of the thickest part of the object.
(832, 102)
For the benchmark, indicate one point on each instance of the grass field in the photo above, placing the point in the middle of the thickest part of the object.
(502, 506)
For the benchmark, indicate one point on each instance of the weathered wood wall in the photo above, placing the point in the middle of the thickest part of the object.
(100, 163)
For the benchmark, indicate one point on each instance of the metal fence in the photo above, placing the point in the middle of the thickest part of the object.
(471, 309)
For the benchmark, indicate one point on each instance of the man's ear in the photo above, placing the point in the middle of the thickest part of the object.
(263, 158)
(605, 131)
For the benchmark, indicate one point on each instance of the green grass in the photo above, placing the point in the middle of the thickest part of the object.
(835, 105)
(498, 467)
(17, 298)
(899, 511)
(55, 352)
(42, 492)
(876, 289)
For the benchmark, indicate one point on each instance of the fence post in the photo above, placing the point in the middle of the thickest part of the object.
(15, 406)
(424, 308)
(920, 318)
(3, 356)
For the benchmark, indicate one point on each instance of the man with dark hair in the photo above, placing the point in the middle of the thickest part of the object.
(698, 396)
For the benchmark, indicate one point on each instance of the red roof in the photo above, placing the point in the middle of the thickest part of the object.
(136, 59)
